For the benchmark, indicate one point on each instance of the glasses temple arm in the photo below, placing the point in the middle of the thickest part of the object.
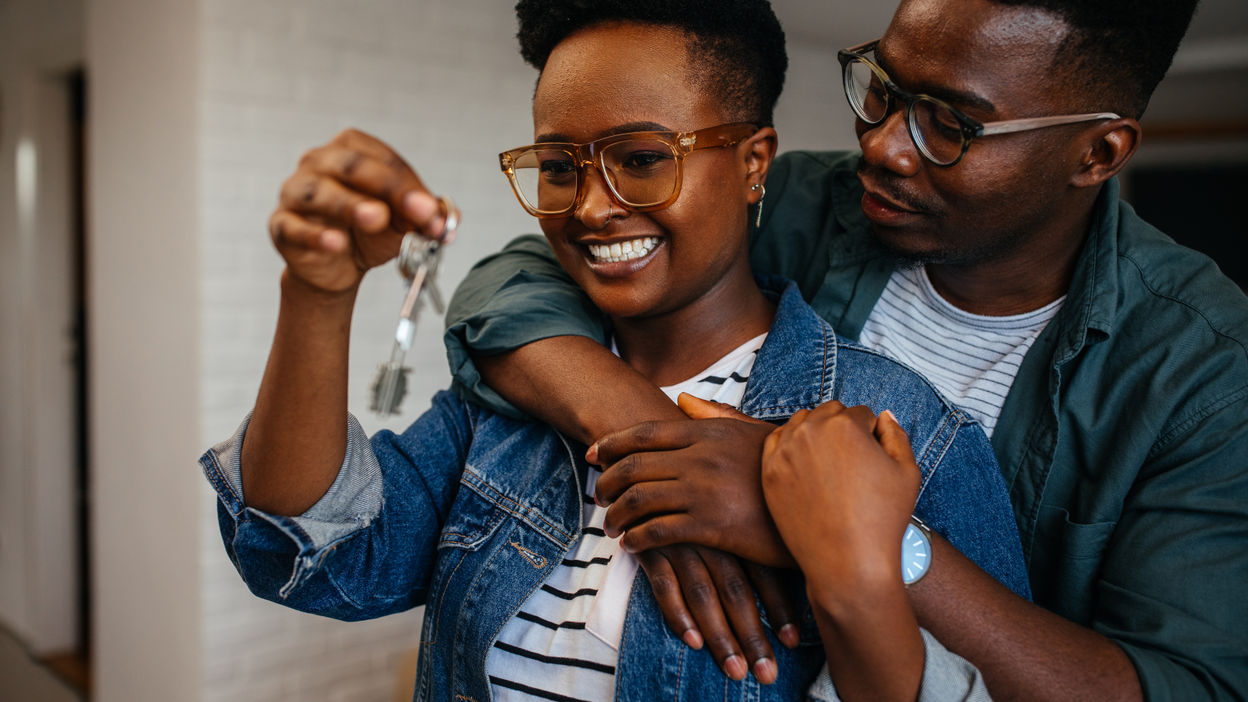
(1022, 125)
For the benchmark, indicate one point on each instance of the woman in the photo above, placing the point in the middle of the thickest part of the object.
(652, 149)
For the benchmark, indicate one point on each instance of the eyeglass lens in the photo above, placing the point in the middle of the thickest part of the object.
(933, 126)
(641, 172)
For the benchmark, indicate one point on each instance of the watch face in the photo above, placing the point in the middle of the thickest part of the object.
(916, 554)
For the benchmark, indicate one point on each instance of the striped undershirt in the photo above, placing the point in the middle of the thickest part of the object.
(972, 359)
(547, 652)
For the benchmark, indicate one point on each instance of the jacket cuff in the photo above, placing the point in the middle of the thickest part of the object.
(351, 504)
(947, 677)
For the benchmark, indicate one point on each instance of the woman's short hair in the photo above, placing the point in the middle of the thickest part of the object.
(737, 45)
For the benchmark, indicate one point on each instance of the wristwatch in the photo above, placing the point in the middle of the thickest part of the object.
(916, 551)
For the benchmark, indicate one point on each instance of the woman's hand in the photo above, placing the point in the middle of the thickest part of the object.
(345, 210)
(840, 484)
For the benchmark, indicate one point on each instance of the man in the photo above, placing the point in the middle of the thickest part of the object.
(1109, 364)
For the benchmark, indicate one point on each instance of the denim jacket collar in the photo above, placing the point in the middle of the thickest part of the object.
(796, 366)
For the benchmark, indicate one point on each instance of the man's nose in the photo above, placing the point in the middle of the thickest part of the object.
(597, 205)
(888, 144)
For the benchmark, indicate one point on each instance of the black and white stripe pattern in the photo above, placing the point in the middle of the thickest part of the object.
(971, 359)
(546, 652)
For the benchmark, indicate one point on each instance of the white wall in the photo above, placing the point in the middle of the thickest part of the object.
(144, 210)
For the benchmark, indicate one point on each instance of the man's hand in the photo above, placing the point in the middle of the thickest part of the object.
(690, 482)
(345, 210)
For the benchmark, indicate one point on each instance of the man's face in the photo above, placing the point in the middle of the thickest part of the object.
(992, 62)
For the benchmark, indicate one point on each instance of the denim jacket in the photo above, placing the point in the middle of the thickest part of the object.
(468, 511)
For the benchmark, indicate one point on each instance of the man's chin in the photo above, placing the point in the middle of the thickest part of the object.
(907, 256)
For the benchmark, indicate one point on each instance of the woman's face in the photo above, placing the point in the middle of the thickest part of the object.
(623, 77)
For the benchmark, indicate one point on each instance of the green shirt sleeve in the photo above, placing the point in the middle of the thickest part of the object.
(514, 297)
(1172, 586)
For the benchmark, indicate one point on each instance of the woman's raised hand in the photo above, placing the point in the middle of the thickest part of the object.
(345, 210)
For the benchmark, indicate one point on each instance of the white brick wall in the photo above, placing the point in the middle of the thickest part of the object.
(442, 81)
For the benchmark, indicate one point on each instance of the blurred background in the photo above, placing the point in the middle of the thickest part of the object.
(142, 145)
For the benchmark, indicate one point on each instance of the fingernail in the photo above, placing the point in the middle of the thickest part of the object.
(890, 415)
(692, 639)
(788, 636)
(591, 456)
(765, 670)
(419, 206)
(370, 214)
(735, 668)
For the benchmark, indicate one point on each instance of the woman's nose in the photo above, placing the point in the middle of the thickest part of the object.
(597, 206)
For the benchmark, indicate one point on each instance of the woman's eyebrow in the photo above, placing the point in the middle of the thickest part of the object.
(559, 137)
(959, 98)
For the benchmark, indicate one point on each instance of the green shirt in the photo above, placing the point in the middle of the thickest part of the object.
(1124, 439)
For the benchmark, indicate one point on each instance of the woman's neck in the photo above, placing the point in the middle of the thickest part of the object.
(674, 346)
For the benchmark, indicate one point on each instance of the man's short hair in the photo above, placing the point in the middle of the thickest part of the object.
(737, 44)
(1118, 49)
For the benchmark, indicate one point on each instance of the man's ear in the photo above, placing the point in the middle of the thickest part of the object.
(760, 150)
(1108, 147)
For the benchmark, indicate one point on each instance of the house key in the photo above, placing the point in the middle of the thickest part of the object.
(418, 264)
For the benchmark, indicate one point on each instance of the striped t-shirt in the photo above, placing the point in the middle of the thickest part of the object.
(972, 359)
(563, 644)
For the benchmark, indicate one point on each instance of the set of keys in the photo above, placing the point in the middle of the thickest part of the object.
(418, 264)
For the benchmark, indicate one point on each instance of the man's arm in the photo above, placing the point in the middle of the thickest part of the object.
(1024, 651)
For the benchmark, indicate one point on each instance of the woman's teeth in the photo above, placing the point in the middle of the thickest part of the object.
(624, 250)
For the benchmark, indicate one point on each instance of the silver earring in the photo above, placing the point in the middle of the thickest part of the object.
(758, 219)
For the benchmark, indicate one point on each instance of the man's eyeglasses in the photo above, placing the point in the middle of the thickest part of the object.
(642, 169)
(941, 132)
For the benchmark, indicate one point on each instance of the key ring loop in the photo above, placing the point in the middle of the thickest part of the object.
(416, 250)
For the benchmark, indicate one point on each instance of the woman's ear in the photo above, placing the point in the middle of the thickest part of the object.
(1107, 148)
(759, 150)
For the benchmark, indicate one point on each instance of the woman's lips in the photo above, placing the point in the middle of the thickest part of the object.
(621, 258)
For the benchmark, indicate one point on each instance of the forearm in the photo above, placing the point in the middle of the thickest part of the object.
(577, 386)
(871, 639)
(1024, 651)
(297, 437)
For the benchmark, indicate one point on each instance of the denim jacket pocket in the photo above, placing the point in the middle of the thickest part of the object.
(472, 521)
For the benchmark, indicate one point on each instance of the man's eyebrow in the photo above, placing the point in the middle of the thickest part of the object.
(617, 129)
(959, 98)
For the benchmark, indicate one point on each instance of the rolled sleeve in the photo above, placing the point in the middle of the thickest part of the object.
(947, 677)
(352, 502)
(510, 299)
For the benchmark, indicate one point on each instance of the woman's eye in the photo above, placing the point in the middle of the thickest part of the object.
(645, 160)
(556, 170)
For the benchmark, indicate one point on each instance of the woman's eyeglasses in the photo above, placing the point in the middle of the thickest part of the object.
(941, 132)
(643, 170)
